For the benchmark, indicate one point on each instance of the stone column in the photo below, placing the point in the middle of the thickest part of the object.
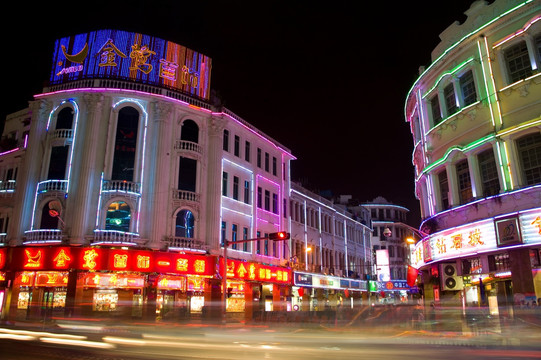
(85, 178)
(29, 173)
(454, 197)
(157, 175)
(214, 177)
(475, 176)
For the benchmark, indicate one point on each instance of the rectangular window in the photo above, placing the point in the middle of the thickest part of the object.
(518, 62)
(266, 246)
(258, 157)
(274, 203)
(267, 200)
(450, 99)
(234, 230)
(235, 187)
(489, 173)
(246, 192)
(247, 151)
(245, 237)
(436, 113)
(226, 140)
(284, 208)
(444, 189)
(258, 243)
(224, 229)
(259, 197)
(187, 173)
(237, 146)
(467, 87)
(274, 166)
(529, 149)
(464, 181)
(267, 162)
(224, 183)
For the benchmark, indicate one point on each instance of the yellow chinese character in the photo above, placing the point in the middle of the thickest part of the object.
(143, 262)
(268, 274)
(61, 259)
(457, 241)
(441, 246)
(140, 55)
(121, 261)
(241, 271)
(89, 257)
(537, 224)
(199, 266)
(182, 264)
(475, 238)
(252, 272)
(108, 54)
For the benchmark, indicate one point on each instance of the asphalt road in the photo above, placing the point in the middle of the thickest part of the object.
(260, 342)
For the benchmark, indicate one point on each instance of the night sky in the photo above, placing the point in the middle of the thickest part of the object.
(327, 79)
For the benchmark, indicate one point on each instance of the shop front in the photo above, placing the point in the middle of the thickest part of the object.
(317, 292)
(96, 282)
(3, 280)
(253, 288)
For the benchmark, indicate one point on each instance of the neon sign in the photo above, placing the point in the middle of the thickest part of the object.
(62, 259)
(33, 260)
(257, 272)
(89, 257)
(131, 56)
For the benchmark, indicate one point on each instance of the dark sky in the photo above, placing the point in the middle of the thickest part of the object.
(327, 79)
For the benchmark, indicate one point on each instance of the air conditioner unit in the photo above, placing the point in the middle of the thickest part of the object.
(450, 280)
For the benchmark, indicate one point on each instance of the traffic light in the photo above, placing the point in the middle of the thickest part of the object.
(281, 235)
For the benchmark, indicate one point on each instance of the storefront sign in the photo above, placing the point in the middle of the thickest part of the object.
(107, 259)
(131, 56)
(113, 280)
(303, 279)
(393, 285)
(530, 224)
(257, 272)
(3, 256)
(508, 231)
(51, 278)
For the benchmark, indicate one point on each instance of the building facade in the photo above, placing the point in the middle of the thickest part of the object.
(389, 238)
(475, 119)
(123, 179)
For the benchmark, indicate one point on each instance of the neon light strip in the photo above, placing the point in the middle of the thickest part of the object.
(508, 165)
(460, 41)
(145, 118)
(9, 151)
(485, 199)
(518, 32)
(237, 212)
(169, 99)
(98, 212)
(72, 147)
(494, 84)
(501, 166)
(448, 73)
(520, 81)
(488, 92)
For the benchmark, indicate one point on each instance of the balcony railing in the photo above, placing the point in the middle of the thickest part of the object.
(188, 146)
(7, 187)
(116, 237)
(186, 195)
(43, 236)
(122, 186)
(62, 134)
(176, 242)
(52, 185)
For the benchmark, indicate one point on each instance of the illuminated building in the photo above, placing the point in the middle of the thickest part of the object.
(330, 251)
(386, 215)
(121, 179)
(474, 115)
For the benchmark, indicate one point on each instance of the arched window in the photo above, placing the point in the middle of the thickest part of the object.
(184, 226)
(64, 119)
(125, 144)
(529, 150)
(118, 216)
(48, 221)
(189, 131)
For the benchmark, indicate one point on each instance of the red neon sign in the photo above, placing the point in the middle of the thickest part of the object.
(257, 272)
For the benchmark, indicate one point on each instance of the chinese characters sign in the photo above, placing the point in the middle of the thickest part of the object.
(94, 258)
(131, 56)
(257, 272)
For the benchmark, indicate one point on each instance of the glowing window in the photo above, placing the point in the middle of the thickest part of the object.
(118, 217)
(184, 224)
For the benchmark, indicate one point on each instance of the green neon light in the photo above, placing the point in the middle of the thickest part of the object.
(458, 43)
(450, 72)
